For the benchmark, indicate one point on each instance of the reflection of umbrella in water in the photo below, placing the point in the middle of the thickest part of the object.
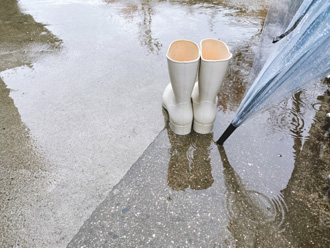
(253, 216)
(248, 203)
(302, 55)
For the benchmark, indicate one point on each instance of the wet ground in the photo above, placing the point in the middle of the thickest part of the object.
(80, 93)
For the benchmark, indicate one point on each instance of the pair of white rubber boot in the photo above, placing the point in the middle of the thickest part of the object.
(185, 62)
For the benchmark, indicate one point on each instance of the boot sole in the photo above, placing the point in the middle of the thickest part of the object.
(202, 128)
(178, 129)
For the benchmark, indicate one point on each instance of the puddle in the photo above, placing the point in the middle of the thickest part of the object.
(81, 82)
(184, 194)
(187, 192)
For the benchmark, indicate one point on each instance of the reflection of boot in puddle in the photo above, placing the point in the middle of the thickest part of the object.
(200, 168)
(189, 163)
(178, 167)
(185, 170)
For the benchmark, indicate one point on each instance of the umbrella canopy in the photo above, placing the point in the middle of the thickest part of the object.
(302, 55)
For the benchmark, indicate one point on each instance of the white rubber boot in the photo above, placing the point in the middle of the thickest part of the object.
(183, 61)
(215, 57)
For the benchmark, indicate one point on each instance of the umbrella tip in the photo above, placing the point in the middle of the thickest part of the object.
(230, 129)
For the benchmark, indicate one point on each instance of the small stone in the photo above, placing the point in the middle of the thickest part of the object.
(125, 210)
(327, 116)
(328, 179)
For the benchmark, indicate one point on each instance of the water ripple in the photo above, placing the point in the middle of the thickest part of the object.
(316, 106)
(250, 207)
(297, 125)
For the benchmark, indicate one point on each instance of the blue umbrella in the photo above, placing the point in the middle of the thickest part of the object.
(301, 55)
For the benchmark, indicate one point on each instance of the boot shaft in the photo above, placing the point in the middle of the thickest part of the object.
(183, 61)
(215, 58)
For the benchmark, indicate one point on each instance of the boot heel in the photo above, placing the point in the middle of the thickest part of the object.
(202, 128)
(180, 130)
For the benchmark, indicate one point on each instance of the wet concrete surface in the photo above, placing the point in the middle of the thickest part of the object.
(156, 205)
(81, 85)
(185, 191)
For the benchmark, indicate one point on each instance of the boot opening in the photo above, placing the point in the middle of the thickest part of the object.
(183, 50)
(214, 50)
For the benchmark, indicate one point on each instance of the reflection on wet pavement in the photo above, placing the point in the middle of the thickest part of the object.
(308, 219)
(189, 165)
(253, 217)
(23, 168)
(22, 39)
(233, 91)
(297, 123)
